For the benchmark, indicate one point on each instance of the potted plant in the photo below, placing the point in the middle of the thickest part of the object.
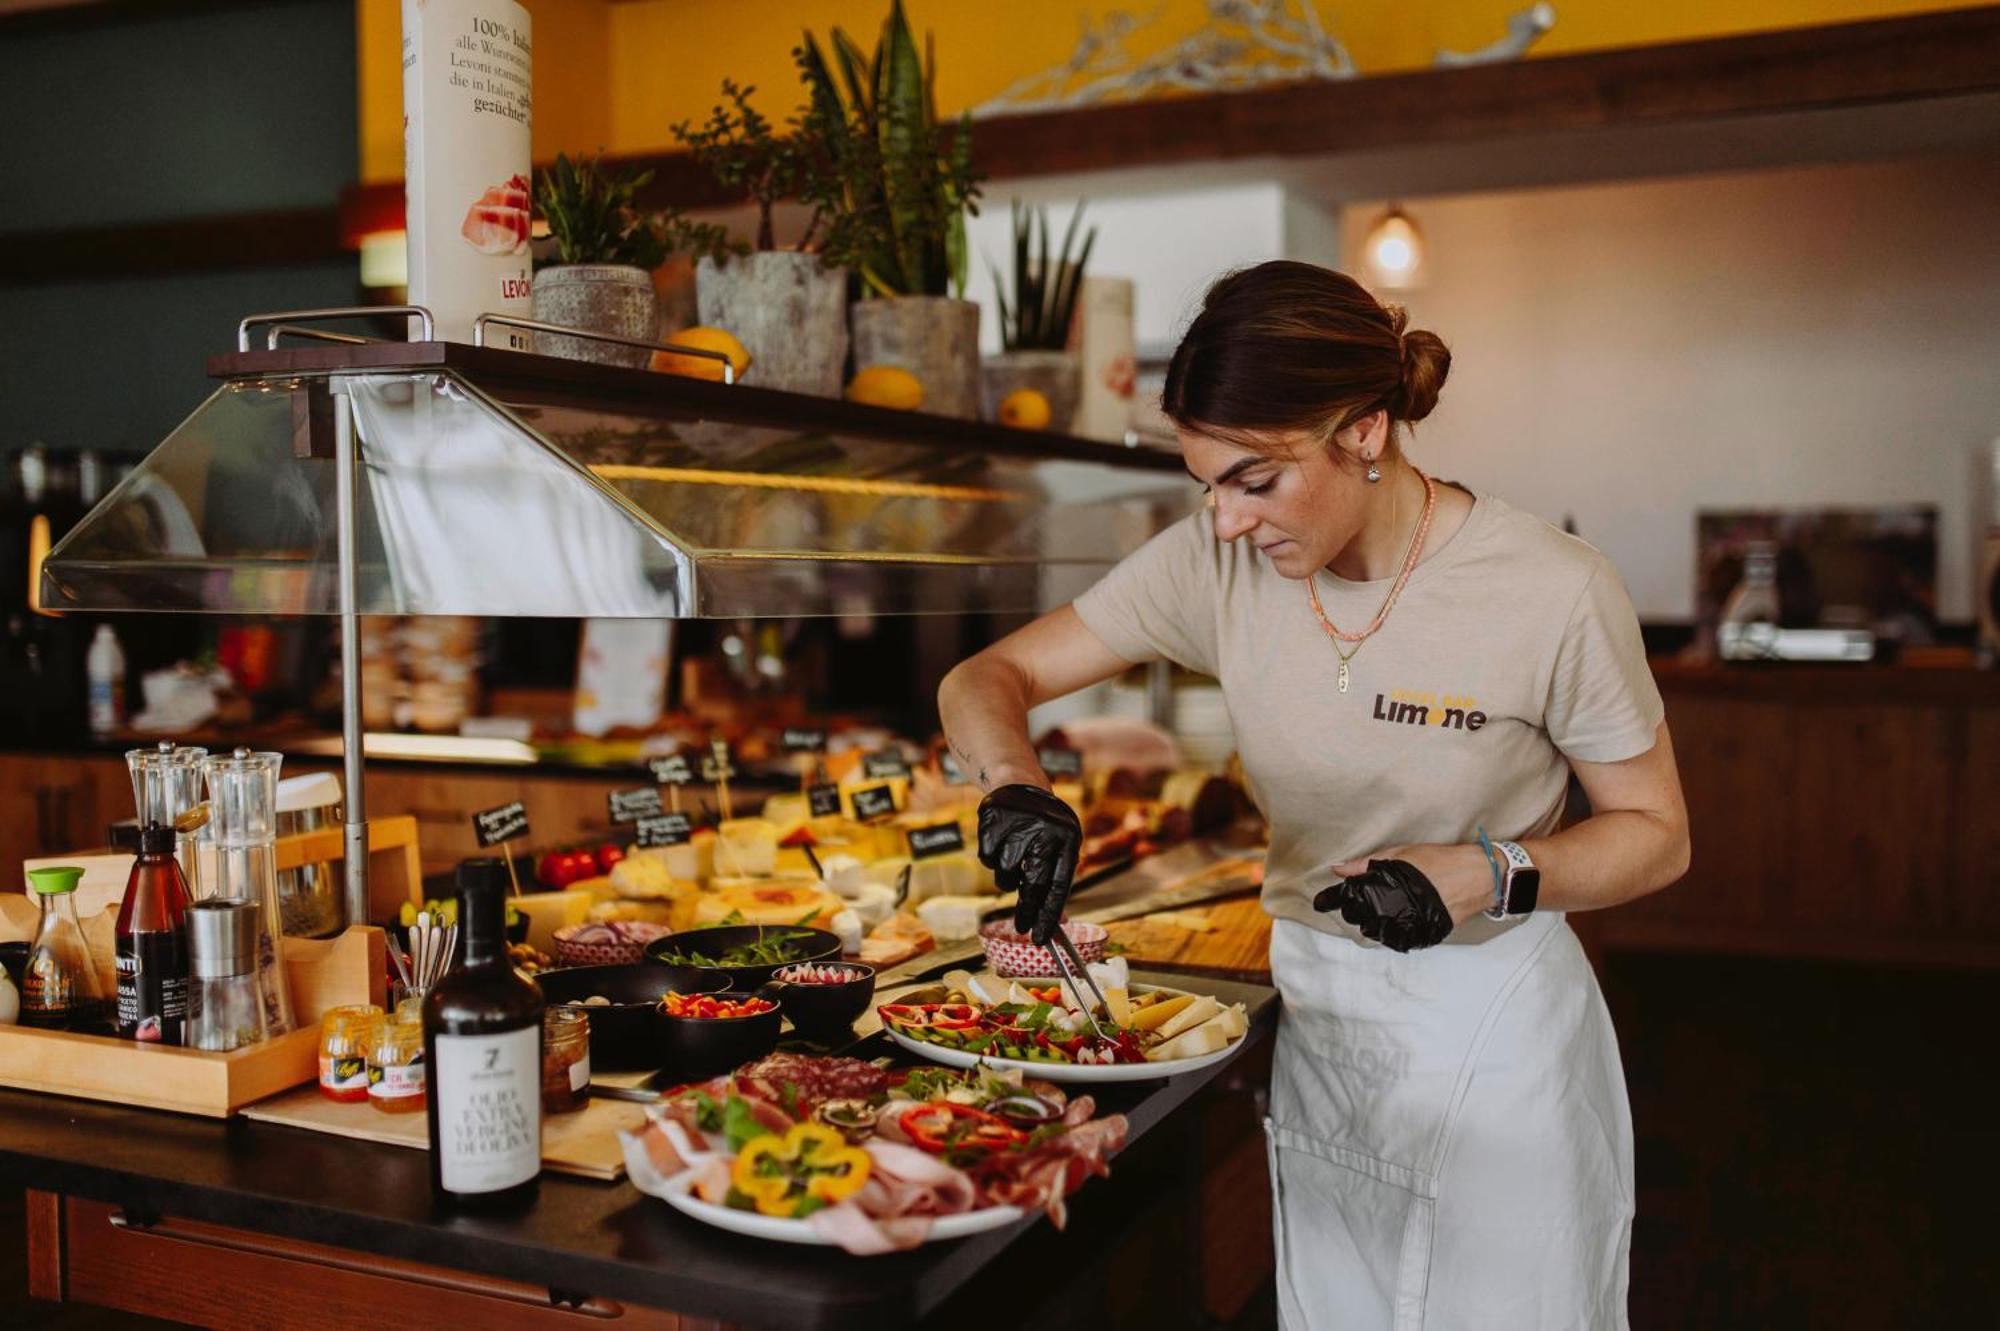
(786, 307)
(896, 194)
(601, 278)
(1035, 382)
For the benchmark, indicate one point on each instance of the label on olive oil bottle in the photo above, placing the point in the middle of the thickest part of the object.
(489, 1109)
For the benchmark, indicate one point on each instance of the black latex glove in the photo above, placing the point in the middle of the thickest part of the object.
(1393, 903)
(1030, 840)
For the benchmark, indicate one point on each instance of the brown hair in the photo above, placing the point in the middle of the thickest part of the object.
(1290, 346)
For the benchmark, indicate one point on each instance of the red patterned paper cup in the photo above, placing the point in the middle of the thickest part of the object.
(1015, 955)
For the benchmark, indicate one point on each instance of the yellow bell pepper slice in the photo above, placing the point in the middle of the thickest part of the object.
(810, 1160)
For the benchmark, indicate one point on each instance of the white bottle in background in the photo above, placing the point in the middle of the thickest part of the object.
(468, 68)
(104, 664)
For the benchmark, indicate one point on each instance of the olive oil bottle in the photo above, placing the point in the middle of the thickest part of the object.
(483, 1046)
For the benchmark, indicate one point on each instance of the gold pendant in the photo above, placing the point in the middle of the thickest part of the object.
(1343, 677)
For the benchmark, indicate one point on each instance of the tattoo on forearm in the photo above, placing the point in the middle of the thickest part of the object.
(966, 763)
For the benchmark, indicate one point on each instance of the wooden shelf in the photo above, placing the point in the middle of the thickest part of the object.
(1835, 67)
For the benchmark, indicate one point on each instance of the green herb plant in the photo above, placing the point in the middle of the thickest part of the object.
(894, 188)
(594, 217)
(1045, 285)
(742, 149)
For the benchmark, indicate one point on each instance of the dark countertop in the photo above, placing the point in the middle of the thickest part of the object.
(600, 1239)
(1796, 682)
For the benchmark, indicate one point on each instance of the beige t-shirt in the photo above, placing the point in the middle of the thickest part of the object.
(1513, 648)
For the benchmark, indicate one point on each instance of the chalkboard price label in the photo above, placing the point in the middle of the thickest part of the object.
(716, 767)
(493, 826)
(798, 739)
(671, 770)
(886, 763)
(1060, 763)
(665, 829)
(629, 806)
(943, 839)
(874, 802)
(823, 800)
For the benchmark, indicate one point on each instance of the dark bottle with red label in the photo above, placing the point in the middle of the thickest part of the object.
(152, 944)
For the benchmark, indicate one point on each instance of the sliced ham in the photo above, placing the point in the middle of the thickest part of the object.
(863, 1235)
(497, 222)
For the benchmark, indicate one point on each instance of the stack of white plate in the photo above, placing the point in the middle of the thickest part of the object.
(1200, 719)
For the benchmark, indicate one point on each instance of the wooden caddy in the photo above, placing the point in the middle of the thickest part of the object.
(323, 973)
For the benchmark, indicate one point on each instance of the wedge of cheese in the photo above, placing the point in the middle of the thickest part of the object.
(1153, 1017)
(1189, 1017)
(1207, 1038)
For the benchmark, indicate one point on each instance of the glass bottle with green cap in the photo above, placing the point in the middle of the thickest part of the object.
(59, 988)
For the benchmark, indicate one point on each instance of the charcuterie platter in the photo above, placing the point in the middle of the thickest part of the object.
(1043, 1028)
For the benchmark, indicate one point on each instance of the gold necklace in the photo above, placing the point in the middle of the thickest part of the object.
(1336, 636)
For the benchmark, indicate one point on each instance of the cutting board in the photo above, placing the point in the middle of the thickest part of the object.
(584, 1143)
(1236, 944)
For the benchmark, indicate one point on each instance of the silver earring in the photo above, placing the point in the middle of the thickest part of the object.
(1374, 472)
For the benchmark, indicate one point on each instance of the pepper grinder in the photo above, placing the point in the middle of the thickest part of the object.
(243, 831)
(225, 1004)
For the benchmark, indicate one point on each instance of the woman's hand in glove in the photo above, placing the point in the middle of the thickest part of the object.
(1030, 839)
(1409, 897)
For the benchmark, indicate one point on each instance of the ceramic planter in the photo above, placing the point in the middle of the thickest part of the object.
(603, 298)
(936, 338)
(789, 313)
(1056, 375)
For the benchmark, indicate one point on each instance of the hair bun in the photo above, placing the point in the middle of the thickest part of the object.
(1426, 362)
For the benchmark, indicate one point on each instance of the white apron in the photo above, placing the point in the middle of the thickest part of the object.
(1449, 1136)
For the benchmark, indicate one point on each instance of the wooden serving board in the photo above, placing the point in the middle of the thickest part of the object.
(1236, 944)
(584, 1143)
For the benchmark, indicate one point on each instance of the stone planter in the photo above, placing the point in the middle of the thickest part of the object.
(1056, 375)
(936, 338)
(789, 313)
(604, 298)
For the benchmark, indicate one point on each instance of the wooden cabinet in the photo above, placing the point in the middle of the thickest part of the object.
(235, 1280)
(1841, 814)
(52, 803)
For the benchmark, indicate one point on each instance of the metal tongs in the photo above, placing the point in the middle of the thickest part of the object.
(1070, 964)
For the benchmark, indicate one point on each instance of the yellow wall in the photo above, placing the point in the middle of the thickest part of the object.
(618, 76)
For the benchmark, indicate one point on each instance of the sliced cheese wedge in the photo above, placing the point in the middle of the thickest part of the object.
(1235, 1021)
(1152, 1018)
(1206, 1038)
(1120, 1003)
(1189, 1017)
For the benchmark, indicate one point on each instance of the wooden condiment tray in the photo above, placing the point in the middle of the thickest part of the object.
(323, 973)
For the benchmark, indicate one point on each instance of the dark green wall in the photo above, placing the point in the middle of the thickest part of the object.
(231, 110)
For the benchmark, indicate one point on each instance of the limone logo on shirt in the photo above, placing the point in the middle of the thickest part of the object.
(1412, 707)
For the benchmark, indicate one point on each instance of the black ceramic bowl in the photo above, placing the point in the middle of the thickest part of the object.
(698, 1047)
(826, 1010)
(814, 945)
(626, 1032)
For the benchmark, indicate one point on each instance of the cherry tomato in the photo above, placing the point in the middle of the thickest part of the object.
(608, 855)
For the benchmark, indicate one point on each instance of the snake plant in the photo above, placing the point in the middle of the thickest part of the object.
(894, 189)
(1045, 284)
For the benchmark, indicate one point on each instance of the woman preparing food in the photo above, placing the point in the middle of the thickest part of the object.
(1449, 1134)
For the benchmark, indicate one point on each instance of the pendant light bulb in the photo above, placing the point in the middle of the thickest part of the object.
(1394, 250)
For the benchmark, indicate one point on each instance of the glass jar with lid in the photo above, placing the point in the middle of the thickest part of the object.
(396, 1063)
(565, 1060)
(346, 1035)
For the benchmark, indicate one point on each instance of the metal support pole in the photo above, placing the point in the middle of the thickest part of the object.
(346, 514)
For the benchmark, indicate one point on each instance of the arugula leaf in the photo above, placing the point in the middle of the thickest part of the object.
(733, 917)
(806, 1205)
(739, 1124)
(707, 1113)
(789, 1095)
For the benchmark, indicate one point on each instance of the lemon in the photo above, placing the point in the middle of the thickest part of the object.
(703, 338)
(1025, 409)
(886, 386)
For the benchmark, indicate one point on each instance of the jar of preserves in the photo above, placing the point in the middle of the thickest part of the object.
(396, 1064)
(565, 1060)
(346, 1034)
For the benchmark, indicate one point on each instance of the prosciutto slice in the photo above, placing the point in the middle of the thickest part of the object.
(905, 1191)
(497, 222)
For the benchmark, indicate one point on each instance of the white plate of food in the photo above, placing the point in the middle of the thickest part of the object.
(1166, 1032)
(679, 1194)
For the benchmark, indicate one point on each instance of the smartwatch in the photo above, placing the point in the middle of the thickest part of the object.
(1520, 882)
